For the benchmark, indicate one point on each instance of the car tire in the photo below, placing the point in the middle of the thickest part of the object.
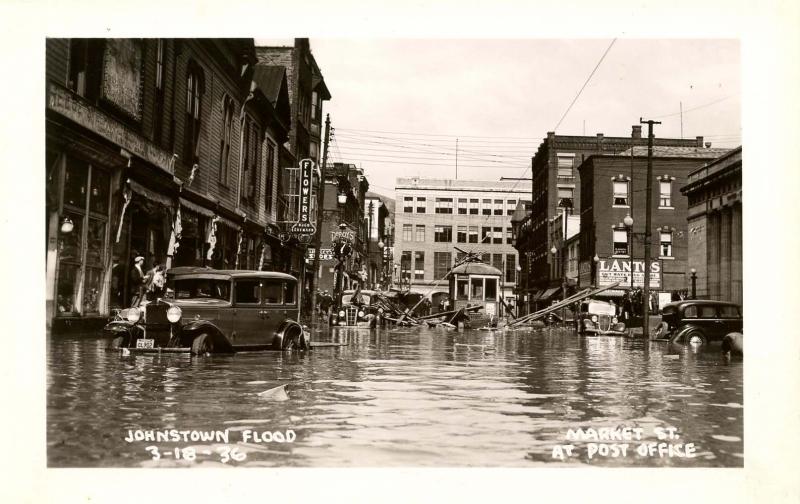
(291, 340)
(694, 337)
(202, 344)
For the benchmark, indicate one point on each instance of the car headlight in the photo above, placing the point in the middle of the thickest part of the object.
(594, 318)
(134, 314)
(614, 320)
(341, 313)
(174, 314)
(361, 313)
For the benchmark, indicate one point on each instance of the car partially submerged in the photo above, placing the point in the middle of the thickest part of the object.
(357, 310)
(699, 321)
(214, 311)
(598, 318)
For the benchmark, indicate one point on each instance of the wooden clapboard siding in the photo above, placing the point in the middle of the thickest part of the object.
(57, 59)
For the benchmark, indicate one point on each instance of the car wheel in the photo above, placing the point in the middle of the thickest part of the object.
(291, 339)
(202, 344)
(694, 337)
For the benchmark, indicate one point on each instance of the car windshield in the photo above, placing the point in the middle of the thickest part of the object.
(346, 298)
(601, 309)
(203, 288)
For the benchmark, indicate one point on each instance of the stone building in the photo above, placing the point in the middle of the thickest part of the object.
(714, 194)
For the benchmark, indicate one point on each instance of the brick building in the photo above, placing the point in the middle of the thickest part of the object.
(433, 216)
(556, 186)
(165, 148)
(609, 194)
(714, 194)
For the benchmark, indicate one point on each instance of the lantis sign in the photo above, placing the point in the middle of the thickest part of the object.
(611, 270)
(304, 226)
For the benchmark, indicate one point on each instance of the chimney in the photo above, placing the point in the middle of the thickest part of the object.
(699, 142)
(636, 131)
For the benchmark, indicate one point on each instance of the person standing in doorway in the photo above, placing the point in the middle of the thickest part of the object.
(137, 281)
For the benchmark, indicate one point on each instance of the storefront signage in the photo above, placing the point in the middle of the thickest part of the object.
(346, 235)
(611, 270)
(304, 224)
(122, 75)
(325, 254)
(63, 101)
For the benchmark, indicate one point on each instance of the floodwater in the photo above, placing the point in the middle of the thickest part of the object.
(402, 397)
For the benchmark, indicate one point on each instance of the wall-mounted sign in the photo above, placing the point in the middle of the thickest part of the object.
(325, 254)
(611, 270)
(63, 101)
(122, 75)
(304, 226)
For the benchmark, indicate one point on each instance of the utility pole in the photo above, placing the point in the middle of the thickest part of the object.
(647, 225)
(318, 234)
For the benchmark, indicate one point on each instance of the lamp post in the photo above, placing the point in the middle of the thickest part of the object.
(694, 283)
(628, 222)
(370, 276)
(595, 261)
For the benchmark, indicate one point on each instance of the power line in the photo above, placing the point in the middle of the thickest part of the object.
(584, 85)
(695, 108)
(435, 134)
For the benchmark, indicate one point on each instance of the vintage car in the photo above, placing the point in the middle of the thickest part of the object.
(357, 310)
(698, 321)
(598, 318)
(214, 311)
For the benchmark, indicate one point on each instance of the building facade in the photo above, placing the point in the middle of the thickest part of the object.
(433, 217)
(376, 214)
(169, 149)
(714, 194)
(612, 251)
(556, 187)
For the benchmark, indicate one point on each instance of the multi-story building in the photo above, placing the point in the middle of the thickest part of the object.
(376, 214)
(433, 217)
(715, 227)
(556, 187)
(612, 221)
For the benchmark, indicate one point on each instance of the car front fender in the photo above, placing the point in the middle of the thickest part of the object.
(191, 329)
(680, 333)
(289, 329)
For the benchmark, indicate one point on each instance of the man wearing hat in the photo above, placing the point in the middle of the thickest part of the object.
(137, 281)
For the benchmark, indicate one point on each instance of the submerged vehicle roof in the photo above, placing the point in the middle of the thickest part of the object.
(687, 302)
(183, 272)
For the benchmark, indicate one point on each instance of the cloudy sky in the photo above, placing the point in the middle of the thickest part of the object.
(399, 105)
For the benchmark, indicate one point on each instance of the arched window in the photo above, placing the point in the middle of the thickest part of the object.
(195, 87)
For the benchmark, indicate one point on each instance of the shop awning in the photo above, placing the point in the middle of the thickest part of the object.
(535, 293)
(150, 194)
(611, 293)
(548, 293)
(196, 208)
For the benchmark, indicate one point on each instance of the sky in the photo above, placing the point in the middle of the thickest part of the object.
(399, 105)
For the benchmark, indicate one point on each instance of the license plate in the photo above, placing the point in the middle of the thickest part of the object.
(145, 343)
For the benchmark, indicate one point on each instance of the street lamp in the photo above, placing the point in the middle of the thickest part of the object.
(67, 225)
(694, 283)
(342, 198)
(628, 222)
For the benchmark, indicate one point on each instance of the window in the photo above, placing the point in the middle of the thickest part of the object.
(461, 235)
(473, 206)
(666, 244)
(498, 207)
(462, 206)
(405, 263)
(497, 261)
(408, 204)
(314, 101)
(565, 196)
(708, 311)
(225, 140)
(248, 291)
(487, 207)
(273, 292)
(407, 232)
(497, 237)
(251, 149)
(462, 289)
(490, 289)
(486, 258)
(726, 311)
(620, 242)
(477, 288)
(509, 236)
(565, 165)
(511, 268)
(270, 177)
(441, 264)
(690, 311)
(289, 289)
(444, 205)
(473, 234)
(443, 234)
(420, 237)
(620, 193)
(486, 234)
(421, 204)
(511, 205)
(419, 265)
(159, 98)
(85, 67)
(460, 256)
(665, 198)
(191, 132)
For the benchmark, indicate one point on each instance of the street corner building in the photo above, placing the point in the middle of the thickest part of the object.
(181, 151)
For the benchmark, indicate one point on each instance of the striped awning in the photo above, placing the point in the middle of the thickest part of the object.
(548, 293)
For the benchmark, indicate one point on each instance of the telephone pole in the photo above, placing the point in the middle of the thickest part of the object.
(320, 215)
(647, 224)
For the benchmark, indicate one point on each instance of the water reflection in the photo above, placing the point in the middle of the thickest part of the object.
(396, 397)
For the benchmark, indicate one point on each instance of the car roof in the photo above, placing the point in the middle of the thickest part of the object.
(183, 272)
(363, 291)
(688, 302)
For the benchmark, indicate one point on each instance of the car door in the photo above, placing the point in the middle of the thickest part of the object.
(247, 311)
(732, 317)
(714, 327)
(274, 312)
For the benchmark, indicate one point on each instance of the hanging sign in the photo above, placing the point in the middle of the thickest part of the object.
(611, 270)
(304, 226)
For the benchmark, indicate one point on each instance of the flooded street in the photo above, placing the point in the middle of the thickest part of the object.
(408, 397)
